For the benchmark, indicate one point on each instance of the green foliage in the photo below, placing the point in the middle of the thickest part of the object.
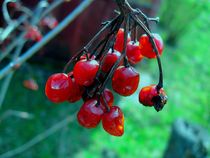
(186, 70)
(178, 16)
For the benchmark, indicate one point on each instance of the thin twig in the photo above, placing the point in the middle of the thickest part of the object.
(8, 79)
(37, 139)
(28, 54)
(20, 114)
(16, 23)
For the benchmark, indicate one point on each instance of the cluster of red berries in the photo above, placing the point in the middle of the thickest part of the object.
(71, 87)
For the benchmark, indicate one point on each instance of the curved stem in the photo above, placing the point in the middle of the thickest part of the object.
(126, 28)
(147, 31)
(5, 11)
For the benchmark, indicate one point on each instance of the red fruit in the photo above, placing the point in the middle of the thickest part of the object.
(31, 84)
(146, 46)
(113, 121)
(133, 52)
(57, 88)
(13, 4)
(33, 33)
(110, 59)
(85, 72)
(76, 90)
(119, 43)
(109, 97)
(90, 115)
(125, 81)
(149, 96)
(85, 56)
(50, 22)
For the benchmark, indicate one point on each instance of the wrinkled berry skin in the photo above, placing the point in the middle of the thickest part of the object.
(113, 121)
(76, 90)
(146, 46)
(57, 87)
(119, 43)
(149, 96)
(85, 72)
(110, 59)
(89, 116)
(125, 80)
(134, 52)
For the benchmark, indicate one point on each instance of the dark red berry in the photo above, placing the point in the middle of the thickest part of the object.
(90, 115)
(146, 46)
(113, 121)
(119, 43)
(150, 96)
(133, 52)
(110, 59)
(85, 72)
(76, 90)
(109, 98)
(57, 88)
(125, 81)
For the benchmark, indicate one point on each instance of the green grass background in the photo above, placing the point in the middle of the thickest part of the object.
(186, 65)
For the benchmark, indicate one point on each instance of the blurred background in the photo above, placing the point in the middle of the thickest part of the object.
(37, 128)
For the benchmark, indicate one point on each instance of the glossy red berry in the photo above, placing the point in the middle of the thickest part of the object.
(134, 52)
(57, 88)
(109, 97)
(76, 90)
(110, 59)
(85, 72)
(125, 81)
(150, 96)
(119, 43)
(113, 121)
(90, 115)
(146, 46)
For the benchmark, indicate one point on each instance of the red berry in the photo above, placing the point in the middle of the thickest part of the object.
(76, 90)
(133, 52)
(120, 40)
(110, 59)
(85, 72)
(89, 114)
(31, 84)
(50, 22)
(149, 96)
(57, 88)
(33, 33)
(113, 121)
(13, 4)
(125, 81)
(146, 46)
(85, 56)
(109, 97)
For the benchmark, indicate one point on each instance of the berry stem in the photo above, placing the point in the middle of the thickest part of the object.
(126, 9)
(151, 38)
(85, 49)
(126, 28)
